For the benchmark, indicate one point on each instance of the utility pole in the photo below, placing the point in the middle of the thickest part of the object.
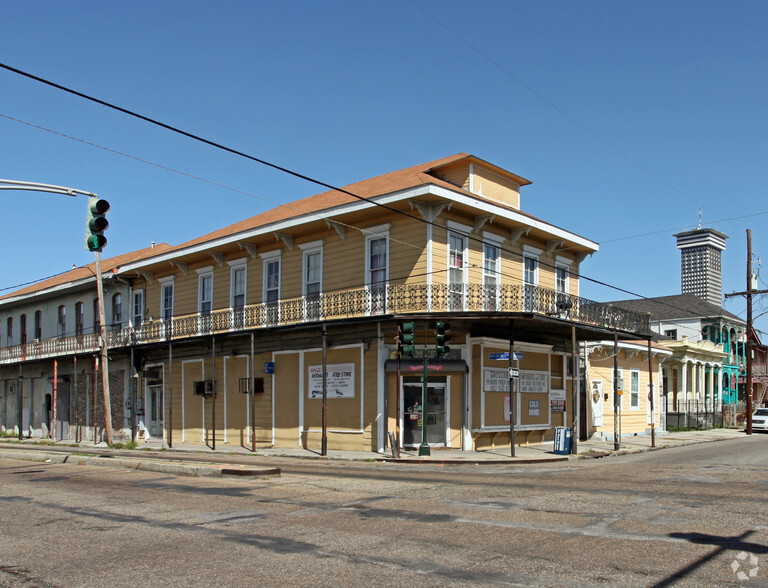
(750, 291)
(616, 397)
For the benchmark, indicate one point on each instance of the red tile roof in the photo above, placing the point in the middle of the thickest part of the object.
(89, 271)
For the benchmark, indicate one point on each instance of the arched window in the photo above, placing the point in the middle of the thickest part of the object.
(38, 325)
(23, 329)
(9, 332)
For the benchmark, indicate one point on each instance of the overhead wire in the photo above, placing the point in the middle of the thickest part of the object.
(189, 175)
(297, 174)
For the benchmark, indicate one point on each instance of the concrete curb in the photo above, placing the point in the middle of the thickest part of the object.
(507, 461)
(178, 469)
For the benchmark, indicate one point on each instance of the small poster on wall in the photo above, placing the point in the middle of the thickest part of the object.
(340, 380)
(534, 408)
(496, 380)
(557, 400)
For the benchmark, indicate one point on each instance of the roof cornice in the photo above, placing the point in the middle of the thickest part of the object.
(457, 195)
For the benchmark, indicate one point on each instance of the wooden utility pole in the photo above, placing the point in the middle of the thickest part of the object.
(747, 349)
(748, 293)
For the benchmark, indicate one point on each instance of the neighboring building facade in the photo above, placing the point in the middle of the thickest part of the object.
(224, 339)
(49, 342)
(709, 344)
(635, 406)
(699, 374)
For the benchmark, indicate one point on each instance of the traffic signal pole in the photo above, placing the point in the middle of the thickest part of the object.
(424, 447)
(94, 241)
(103, 353)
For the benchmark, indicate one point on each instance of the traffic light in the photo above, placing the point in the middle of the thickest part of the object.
(406, 345)
(442, 337)
(96, 223)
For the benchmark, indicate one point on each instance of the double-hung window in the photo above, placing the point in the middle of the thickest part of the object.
(271, 286)
(166, 304)
(634, 389)
(237, 286)
(138, 308)
(117, 311)
(562, 286)
(457, 265)
(312, 280)
(166, 293)
(205, 297)
(377, 268)
(491, 271)
(530, 278)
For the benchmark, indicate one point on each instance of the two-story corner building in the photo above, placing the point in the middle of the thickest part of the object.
(49, 342)
(233, 332)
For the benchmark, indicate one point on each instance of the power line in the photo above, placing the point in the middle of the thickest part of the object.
(296, 174)
(189, 175)
(262, 161)
(548, 102)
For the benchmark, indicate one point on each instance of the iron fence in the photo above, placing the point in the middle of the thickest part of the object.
(370, 301)
(695, 414)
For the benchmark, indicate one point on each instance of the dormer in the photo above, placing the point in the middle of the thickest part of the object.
(483, 179)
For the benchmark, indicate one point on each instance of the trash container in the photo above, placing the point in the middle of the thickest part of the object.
(563, 440)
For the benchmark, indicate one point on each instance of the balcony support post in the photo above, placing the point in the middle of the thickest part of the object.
(511, 389)
(324, 442)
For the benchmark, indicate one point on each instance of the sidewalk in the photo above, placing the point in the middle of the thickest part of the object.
(200, 460)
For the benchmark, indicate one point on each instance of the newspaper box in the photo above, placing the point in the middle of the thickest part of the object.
(563, 440)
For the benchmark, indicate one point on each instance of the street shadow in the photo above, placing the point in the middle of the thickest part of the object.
(722, 543)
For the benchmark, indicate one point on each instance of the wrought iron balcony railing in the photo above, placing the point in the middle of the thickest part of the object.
(373, 301)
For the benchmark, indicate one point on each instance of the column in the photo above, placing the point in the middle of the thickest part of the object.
(683, 381)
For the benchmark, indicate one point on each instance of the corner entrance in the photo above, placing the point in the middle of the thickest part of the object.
(436, 414)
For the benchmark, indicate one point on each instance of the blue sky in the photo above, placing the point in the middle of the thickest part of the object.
(626, 116)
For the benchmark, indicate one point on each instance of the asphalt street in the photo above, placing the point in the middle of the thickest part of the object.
(685, 516)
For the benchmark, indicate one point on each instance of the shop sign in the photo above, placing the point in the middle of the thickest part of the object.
(505, 355)
(339, 380)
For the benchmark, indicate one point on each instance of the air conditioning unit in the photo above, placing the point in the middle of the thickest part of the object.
(258, 385)
(204, 388)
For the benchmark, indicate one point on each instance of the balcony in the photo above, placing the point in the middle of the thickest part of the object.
(468, 299)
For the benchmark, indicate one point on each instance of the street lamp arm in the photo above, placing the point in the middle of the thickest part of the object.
(38, 187)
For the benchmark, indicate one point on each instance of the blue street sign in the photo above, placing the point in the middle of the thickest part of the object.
(269, 367)
(517, 355)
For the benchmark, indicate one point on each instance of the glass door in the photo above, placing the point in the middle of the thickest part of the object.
(413, 415)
